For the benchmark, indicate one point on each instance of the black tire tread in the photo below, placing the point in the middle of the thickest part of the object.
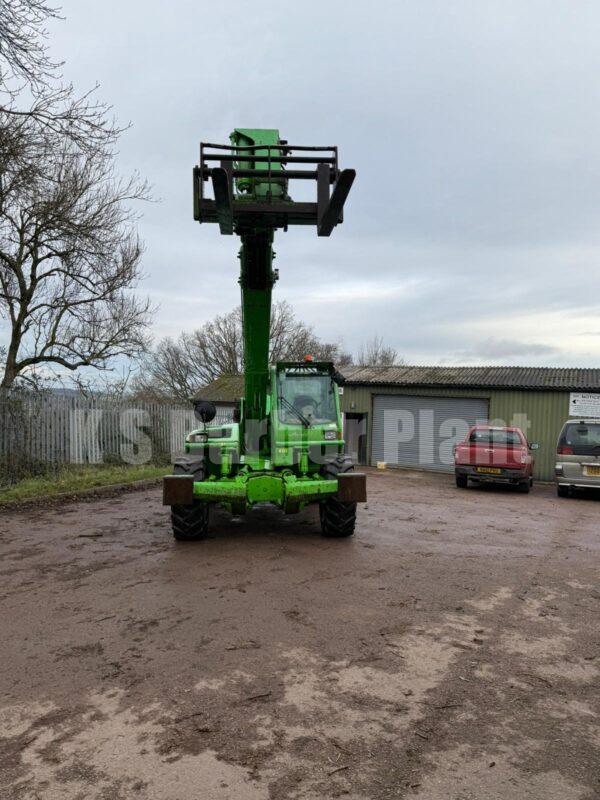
(338, 519)
(189, 523)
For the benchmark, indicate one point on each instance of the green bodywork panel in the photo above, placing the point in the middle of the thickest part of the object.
(259, 189)
(248, 488)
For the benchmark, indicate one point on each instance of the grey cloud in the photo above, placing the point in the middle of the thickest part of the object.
(473, 128)
(494, 349)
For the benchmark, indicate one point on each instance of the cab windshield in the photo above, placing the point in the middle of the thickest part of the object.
(495, 436)
(305, 399)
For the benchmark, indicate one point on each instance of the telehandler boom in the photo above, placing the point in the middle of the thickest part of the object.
(285, 445)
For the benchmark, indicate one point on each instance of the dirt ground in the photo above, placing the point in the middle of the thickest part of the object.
(449, 651)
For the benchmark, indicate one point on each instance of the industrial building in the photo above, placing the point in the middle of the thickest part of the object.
(380, 402)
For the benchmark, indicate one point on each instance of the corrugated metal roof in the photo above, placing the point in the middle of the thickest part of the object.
(228, 388)
(539, 378)
(224, 389)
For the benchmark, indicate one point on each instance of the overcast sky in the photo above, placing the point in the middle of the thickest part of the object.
(472, 231)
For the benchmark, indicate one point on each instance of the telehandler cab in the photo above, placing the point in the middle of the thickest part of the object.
(285, 445)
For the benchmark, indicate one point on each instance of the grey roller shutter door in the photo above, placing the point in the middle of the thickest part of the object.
(420, 432)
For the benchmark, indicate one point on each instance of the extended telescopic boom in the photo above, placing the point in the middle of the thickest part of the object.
(250, 187)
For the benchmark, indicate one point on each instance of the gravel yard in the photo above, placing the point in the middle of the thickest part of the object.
(449, 651)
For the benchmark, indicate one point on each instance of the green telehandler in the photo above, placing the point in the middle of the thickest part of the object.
(285, 445)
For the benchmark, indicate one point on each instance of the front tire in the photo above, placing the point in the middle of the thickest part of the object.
(338, 519)
(562, 491)
(190, 523)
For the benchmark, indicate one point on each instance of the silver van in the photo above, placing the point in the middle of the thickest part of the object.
(578, 456)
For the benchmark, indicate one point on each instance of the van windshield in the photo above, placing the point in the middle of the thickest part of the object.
(499, 437)
(584, 439)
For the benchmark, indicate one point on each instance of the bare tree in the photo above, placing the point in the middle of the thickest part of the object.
(113, 385)
(292, 339)
(69, 254)
(177, 369)
(23, 52)
(374, 353)
(31, 91)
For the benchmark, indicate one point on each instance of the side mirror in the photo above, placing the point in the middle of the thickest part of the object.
(338, 378)
(204, 410)
(534, 446)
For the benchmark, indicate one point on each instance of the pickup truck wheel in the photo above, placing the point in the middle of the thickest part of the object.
(562, 491)
(337, 519)
(462, 481)
(190, 523)
(524, 487)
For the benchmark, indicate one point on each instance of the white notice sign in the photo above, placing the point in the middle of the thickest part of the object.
(583, 404)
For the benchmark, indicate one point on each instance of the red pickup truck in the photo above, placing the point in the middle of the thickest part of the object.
(494, 454)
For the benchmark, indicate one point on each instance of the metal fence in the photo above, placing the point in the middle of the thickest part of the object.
(42, 432)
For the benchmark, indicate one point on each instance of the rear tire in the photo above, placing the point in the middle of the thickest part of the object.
(562, 491)
(338, 519)
(462, 481)
(524, 487)
(190, 523)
